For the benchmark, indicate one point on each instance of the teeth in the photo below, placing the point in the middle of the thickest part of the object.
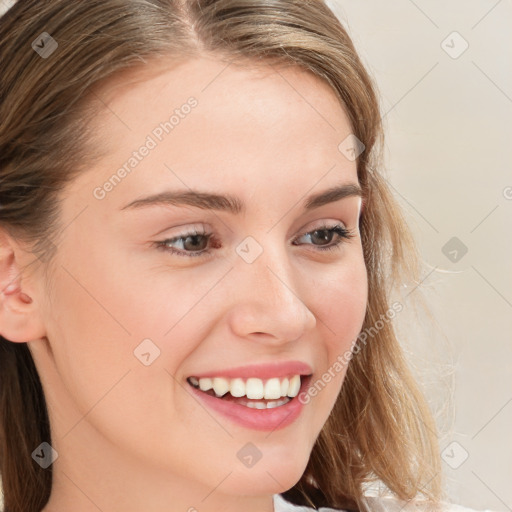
(268, 405)
(220, 386)
(271, 405)
(258, 405)
(284, 386)
(205, 384)
(253, 388)
(237, 388)
(273, 388)
(293, 389)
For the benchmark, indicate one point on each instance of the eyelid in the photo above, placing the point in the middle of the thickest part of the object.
(199, 229)
(337, 227)
(322, 224)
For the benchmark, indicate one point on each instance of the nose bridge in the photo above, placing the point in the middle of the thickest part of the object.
(266, 298)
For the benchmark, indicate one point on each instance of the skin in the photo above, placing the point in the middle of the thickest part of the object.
(132, 437)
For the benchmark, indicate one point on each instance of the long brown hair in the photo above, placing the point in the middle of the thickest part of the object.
(380, 427)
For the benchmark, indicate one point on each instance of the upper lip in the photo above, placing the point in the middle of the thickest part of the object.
(262, 371)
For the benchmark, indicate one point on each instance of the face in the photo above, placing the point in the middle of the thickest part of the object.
(144, 295)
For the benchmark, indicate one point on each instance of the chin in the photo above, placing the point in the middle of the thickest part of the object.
(269, 477)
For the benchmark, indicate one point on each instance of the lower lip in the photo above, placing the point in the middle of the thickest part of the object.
(257, 419)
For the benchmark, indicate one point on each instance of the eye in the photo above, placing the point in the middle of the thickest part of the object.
(324, 235)
(194, 243)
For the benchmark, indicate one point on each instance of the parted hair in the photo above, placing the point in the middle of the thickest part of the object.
(380, 428)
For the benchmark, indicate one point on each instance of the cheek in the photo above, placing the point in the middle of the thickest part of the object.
(98, 320)
(340, 301)
(98, 315)
(106, 306)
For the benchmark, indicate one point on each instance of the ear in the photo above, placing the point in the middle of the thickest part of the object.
(20, 316)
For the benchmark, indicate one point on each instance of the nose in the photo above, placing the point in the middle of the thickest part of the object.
(266, 303)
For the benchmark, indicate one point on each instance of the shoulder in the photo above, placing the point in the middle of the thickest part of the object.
(377, 504)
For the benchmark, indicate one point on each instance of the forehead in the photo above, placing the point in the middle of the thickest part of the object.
(211, 75)
(221, 123)
(262, 94)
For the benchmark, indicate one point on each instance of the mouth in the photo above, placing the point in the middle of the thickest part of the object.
(253, 393)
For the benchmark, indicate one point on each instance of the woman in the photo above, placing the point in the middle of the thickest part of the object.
(197, 258)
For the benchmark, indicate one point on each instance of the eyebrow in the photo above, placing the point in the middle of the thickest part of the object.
(233, 204)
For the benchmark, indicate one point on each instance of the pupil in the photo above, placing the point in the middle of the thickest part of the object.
(194, 243)
(325, 238)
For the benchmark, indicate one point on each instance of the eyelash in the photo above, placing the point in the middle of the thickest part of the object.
(338, 229)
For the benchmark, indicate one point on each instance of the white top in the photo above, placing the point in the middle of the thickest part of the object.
(384, 504)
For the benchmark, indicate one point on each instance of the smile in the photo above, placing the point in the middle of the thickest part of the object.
(253, 392)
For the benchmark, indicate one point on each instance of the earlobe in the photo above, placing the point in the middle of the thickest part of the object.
(19, 315)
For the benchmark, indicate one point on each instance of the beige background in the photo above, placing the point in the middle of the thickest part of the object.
(449, 155)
